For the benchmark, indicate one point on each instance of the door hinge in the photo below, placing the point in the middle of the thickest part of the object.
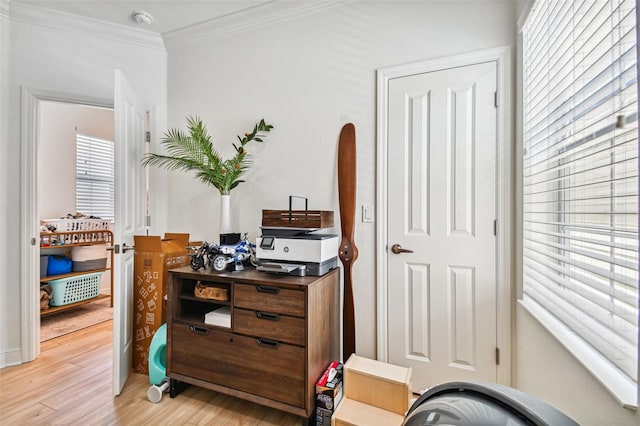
(495, 227)
(148, 220)
(495, 99)
(497, 356)
(147, 136)
(33, 241)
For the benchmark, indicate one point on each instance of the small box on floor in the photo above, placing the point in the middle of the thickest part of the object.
(328, 393)
(323, 416)
(377, 383)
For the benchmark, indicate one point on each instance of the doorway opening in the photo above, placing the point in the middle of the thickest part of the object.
(75, 193)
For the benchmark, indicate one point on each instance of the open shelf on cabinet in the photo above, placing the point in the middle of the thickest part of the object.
(192, 308)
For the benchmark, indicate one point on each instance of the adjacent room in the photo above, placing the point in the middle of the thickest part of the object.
(406, 198)
(75, 186)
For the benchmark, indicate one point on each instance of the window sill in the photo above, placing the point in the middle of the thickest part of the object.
(623, 389)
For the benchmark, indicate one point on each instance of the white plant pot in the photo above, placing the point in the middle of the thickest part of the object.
(225, 214)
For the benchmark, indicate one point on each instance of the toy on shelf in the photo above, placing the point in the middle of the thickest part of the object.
(221, 257)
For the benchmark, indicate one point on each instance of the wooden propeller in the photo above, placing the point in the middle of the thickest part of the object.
(348, 252)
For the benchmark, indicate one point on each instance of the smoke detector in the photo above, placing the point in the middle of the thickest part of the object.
(142, 17)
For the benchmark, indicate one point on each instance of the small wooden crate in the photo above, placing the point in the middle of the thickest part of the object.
(297, 218)
(211, 292)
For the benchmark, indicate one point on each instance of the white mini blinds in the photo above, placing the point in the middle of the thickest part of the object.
(580, 182)
(95, 176)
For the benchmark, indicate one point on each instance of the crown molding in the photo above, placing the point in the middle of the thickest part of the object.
(44, 17)
(247, 20)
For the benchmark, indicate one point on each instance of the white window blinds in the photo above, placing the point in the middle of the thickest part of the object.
(580, 182)
(95, 176)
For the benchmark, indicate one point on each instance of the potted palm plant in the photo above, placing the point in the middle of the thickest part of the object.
(193, 151)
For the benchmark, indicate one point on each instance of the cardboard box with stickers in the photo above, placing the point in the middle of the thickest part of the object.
(154, 257)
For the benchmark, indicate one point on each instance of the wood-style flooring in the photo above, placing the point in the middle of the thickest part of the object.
(70, 384)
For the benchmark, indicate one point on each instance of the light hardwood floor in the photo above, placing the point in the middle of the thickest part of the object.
(70, 384)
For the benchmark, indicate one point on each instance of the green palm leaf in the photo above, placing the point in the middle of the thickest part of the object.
(194, 152)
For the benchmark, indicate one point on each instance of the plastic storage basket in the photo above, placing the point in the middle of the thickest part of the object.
(75, 289)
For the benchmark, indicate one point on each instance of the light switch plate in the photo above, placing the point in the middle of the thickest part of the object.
(367, 214)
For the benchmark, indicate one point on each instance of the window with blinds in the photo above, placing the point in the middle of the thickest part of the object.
(580, 183)
(95, 176)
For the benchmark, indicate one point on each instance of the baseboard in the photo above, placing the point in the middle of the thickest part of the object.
(10, 357)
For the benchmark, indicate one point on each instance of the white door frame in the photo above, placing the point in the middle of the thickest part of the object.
(29, 225)
(504, 176)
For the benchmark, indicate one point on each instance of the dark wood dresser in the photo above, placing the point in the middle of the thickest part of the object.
(279, 335)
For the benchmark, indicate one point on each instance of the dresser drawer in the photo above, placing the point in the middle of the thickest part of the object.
(269, 299)
(269, 325)
(262, 367)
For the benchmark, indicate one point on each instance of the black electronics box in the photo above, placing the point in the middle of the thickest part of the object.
(229, 239)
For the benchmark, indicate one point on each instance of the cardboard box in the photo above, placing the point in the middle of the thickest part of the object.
(328, 393)
(152, 260)
(329, 387)
(354, 413)
(323, 416)
(377, 383)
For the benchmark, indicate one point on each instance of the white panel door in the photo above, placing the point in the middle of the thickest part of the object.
(129, 117)
(442, 206)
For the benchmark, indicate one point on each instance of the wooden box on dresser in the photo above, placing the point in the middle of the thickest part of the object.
(284, 332)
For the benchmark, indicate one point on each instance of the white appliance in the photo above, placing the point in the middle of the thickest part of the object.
(297, 252)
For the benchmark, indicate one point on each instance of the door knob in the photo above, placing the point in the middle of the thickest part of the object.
(125, 247)
(397, 249)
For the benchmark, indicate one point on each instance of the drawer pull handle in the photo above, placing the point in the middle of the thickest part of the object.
(267, 316)
(273, 344)
(267, 289)
(198, 330)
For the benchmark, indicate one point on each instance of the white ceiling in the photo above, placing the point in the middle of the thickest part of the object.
(168, 15)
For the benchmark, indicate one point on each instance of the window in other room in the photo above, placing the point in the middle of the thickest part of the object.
(95, 177)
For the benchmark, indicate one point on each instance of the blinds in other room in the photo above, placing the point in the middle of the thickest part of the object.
(95, 176)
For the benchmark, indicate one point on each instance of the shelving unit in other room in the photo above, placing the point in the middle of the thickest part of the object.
(67, 240)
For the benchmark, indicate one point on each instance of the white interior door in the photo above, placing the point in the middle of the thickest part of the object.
(442, 149)
(129, 117)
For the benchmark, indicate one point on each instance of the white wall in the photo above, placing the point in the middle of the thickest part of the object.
(547, 371)
(57, 152)
(5, 181)
(77, 62)
(308, 77)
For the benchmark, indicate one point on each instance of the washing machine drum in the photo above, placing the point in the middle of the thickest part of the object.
(477, 403)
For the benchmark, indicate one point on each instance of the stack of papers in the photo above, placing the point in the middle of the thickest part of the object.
(220, 317)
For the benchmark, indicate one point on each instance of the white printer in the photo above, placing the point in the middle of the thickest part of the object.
(296, 251)
(290, 243)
